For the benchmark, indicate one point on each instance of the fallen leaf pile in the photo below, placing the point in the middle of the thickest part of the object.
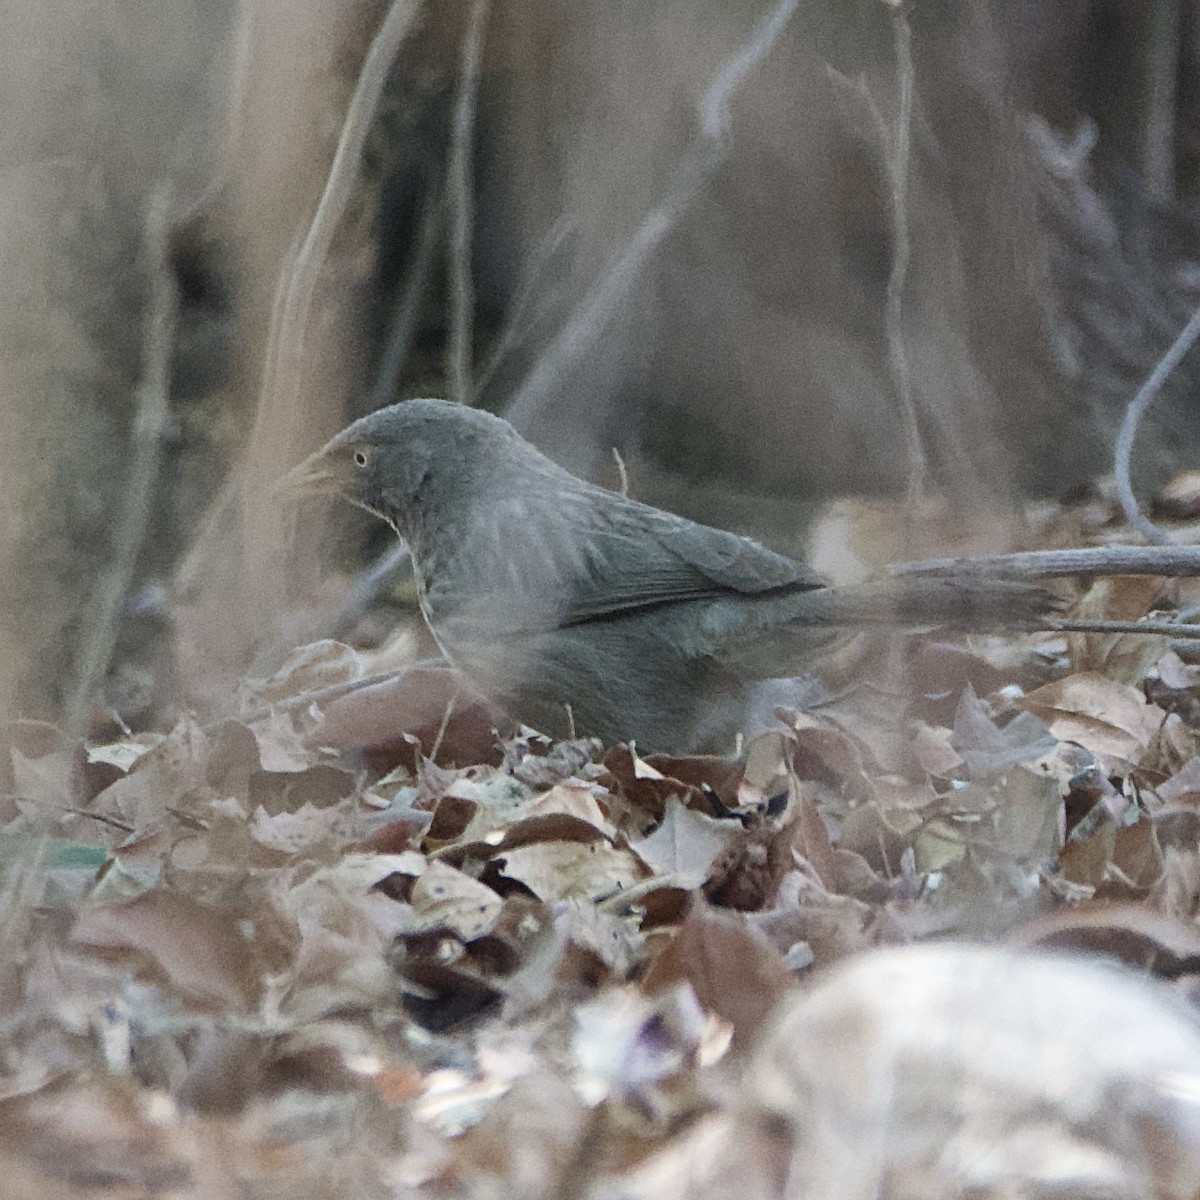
(323, 950)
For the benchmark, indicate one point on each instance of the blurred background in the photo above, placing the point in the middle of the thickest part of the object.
(775, 255)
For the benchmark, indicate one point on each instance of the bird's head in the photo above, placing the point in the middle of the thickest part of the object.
(393, 459)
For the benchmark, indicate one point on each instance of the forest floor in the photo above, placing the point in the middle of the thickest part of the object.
(240, 962)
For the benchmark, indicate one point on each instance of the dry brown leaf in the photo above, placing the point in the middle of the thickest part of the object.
(571, 800)
(934, 748)
(1112, 720)
(641, 790)
(767, 772)
(159, 780)
(804, 913)
(1183, 787)
(686, 844)
(45, 788)
(1176, 674)
(985, 747)
(1123, 657)
(731, 967)
(497, 801)
(281, 747)
(124, 753)
(1134, 933)
(1115, 861)
(415, 702)
(810, 839)
(443, 898)
(201, 950)
(294, 832)
(615, 940)
(308, 668)
(569, 870)
(343, 927)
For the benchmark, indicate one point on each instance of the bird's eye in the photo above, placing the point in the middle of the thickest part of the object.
(360, 458)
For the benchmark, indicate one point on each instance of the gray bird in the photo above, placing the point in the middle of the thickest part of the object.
(577, 609)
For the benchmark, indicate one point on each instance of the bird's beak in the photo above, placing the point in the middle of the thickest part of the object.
(317, 475)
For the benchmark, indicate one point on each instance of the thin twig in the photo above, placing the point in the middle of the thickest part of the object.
(1167, 629)
(298, 280)
(150, 421)
(584, 326)
(441, 733)
(461, 190)
(1171, 562)
(1160, 73)
(1133, 415)
(622, 471)
(334, 691)
(896, 155)
(516, 325)
(407, 308)
(366, 587)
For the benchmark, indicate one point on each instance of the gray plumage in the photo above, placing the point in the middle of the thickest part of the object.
(550, 593)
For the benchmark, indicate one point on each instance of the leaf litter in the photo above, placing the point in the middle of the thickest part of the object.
(336, 947)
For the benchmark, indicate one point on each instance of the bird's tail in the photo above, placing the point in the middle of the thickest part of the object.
(965, 604)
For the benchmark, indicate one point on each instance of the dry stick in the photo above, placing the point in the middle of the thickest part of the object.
(896, 154)
(1160, 68)
(391, 564)
(462, 208)
(1168, 629)
(516, 327)
(441, 733)
(583, 328)
(894, 144)
(298, 279)
(1133, 415)
(149, 423)
(407, 308)
(1172, 562)
(388, 567)
(335, 691)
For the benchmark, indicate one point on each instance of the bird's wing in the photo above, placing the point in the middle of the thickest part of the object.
(589, 557)
(639, 557)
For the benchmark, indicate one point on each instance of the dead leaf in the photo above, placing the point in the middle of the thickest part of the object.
(294, 832)
(569, 870)
(730, 966)
(1122, 657)
(1136, 934)
(444, 898)
(200, 949)
(1112, 720)
(685, 845)
(309, 668)
(1184, 786)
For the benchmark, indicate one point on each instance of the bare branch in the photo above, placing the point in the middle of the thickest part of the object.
(1133, 415)
(1166, 561)
(407, 307)
(298, 280)
(391, 565)
(461, 190)
(896, 156)
(583, 328)
(1167, 629)
(150, 421)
